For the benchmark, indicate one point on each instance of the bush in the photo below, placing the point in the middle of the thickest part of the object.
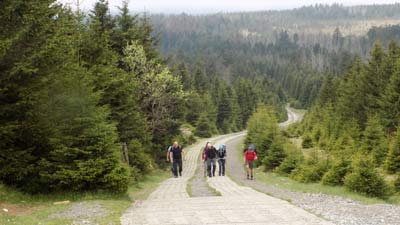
(293, 130)
(275, 156)
(396, 183)
(365, 179)
(140, 162)
(292, 161)
(264, 133)
(311, 170)
(392, 163)
(307, 142)
(336, 173)
(203, 128)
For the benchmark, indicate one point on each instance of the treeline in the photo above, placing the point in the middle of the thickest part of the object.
(355, 121)
(288, 65)
(215, 106)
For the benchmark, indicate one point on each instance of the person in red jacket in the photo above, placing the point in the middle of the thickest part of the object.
(250, 155)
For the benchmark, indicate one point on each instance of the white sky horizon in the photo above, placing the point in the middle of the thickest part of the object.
(215, 6)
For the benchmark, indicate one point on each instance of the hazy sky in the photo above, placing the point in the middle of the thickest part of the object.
(212, 6)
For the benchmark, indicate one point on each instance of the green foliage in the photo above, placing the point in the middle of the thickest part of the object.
(292, 161)
(396, 183)
(392, 163)
(311, 170)
(263, 132)
(203, 128)
(374, 140)
(390, 106)
(274, 157)
(337, 171)
(365, 179)
(307, 142)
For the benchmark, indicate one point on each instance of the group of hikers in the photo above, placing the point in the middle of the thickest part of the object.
(210, 156)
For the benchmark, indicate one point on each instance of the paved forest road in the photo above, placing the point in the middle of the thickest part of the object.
(170, 203)
(292, 117)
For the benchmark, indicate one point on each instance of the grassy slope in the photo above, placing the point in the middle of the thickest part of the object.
(276, 180)
(36, 209)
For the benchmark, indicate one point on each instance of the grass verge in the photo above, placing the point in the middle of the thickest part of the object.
(35, 209)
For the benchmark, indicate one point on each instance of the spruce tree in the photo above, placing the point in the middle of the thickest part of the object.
(364, 178)
(374, 140)
(203, 128)
(392, 163)
(390, 104)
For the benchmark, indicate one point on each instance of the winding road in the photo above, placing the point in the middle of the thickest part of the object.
(171, 204)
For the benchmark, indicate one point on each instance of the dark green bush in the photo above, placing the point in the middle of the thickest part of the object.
(275, 156)
(396, 183)
(290, 163)
(365, 179)
(203, 128)
(307, 142)
(311, 170)
(336, 173)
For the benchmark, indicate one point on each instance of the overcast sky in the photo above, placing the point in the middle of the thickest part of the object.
(212, 6)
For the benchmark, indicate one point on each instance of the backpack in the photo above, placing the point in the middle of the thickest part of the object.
(221, 152)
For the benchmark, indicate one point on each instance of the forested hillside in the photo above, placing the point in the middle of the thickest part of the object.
(77, 87)
(350, 135)
(293, 48)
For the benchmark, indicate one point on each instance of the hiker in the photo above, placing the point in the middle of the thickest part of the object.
(203, 158)
(177, 153)
(250, 155)
(169, 160)
(210, 158)
(221, 155)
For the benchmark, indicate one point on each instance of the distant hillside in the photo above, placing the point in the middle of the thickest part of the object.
(312, 24)
(295, 48)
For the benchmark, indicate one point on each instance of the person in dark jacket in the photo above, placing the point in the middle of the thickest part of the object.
(177, 153)
(210, 157)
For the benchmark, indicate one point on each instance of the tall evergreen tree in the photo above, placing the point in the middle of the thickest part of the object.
(392, 162)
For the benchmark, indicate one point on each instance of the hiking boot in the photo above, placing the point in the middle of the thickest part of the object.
(248, 177)
(251, 178)
(180, 173)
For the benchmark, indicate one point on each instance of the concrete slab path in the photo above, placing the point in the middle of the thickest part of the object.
(171, 204)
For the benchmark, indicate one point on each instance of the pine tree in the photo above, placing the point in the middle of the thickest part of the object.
(390, 104)
(392, 163)
(224, 109)
(365, 179)
(374, 140)
(203, 128)
(126, 29)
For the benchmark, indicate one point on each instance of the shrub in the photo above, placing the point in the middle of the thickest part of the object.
(365, 179)
(396, 183)
(307, 142)
(311, 170)
(139, 159)
(392, 162)
(275, 156)
(203, 128)
(292, 161)
(336, 173)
